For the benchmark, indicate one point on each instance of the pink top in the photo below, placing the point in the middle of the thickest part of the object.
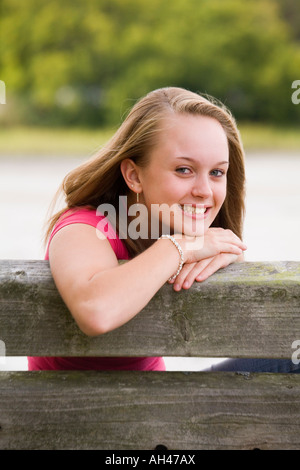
(91, 217)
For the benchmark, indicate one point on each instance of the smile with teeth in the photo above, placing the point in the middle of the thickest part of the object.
(192, 209)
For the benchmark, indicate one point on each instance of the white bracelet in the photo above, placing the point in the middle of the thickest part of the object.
(180, 253)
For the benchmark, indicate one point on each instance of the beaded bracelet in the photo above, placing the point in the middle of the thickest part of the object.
(180, 253)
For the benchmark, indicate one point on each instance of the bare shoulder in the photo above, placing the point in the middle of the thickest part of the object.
(76, 254)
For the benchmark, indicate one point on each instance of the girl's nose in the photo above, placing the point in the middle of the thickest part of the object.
(202, 188)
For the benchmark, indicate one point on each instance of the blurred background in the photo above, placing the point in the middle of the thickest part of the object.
(71, 70)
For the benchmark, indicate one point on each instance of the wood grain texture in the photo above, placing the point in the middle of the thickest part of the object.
(129, 410)
(245, 310)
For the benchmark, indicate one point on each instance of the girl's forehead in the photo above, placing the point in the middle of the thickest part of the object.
(192, 137)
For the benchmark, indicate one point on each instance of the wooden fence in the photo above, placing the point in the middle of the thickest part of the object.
(245, 310)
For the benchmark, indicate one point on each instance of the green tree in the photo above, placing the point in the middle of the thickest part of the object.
(86, 62)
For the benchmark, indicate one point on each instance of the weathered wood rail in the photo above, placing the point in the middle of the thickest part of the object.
(245, 310)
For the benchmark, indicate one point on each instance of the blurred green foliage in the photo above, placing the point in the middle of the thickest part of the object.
(76, 62)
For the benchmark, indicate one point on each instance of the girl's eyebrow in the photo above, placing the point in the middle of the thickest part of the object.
(193, 160)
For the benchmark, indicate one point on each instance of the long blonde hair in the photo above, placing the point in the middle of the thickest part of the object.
(100, 179)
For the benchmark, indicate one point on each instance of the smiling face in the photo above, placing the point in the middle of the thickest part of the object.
(186, 172)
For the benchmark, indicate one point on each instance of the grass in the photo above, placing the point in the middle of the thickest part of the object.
(85, 142)
(51, 141)
(267, 137)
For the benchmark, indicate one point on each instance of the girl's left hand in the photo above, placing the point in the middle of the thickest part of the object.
(203, 269)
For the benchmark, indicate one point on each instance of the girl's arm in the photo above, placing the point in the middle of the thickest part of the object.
(103, 295)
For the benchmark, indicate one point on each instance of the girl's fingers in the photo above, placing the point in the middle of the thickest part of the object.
(234, 239)
(196, 271)
(180, 279)
(221, 248)
(188, 275)
(228, 237)
(202, 270)
(218, 262)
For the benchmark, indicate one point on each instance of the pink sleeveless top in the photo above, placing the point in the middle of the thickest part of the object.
(91, 217)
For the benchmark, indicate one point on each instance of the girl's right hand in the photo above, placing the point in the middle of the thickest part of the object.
(216, 240)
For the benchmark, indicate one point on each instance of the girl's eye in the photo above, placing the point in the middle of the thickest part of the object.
(183, 170)
(217, 173)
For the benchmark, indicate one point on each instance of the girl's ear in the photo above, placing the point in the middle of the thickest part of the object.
(130, 172)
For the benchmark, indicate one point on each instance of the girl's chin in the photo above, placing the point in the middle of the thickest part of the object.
(189, 233)
(193, 226)
(188, 226)
(192, 231)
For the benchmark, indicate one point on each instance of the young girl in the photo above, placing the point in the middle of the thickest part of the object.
(171, 183)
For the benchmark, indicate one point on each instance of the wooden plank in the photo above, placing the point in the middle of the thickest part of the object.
(129, 410)
(245, 310)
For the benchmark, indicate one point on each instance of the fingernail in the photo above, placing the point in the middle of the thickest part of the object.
(186, 285)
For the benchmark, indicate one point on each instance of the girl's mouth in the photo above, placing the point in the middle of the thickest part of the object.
(194, 210)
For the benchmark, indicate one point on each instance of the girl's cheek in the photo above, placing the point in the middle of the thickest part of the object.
(221, 193)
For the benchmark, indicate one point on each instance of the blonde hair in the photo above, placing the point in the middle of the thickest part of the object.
(100, 180)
